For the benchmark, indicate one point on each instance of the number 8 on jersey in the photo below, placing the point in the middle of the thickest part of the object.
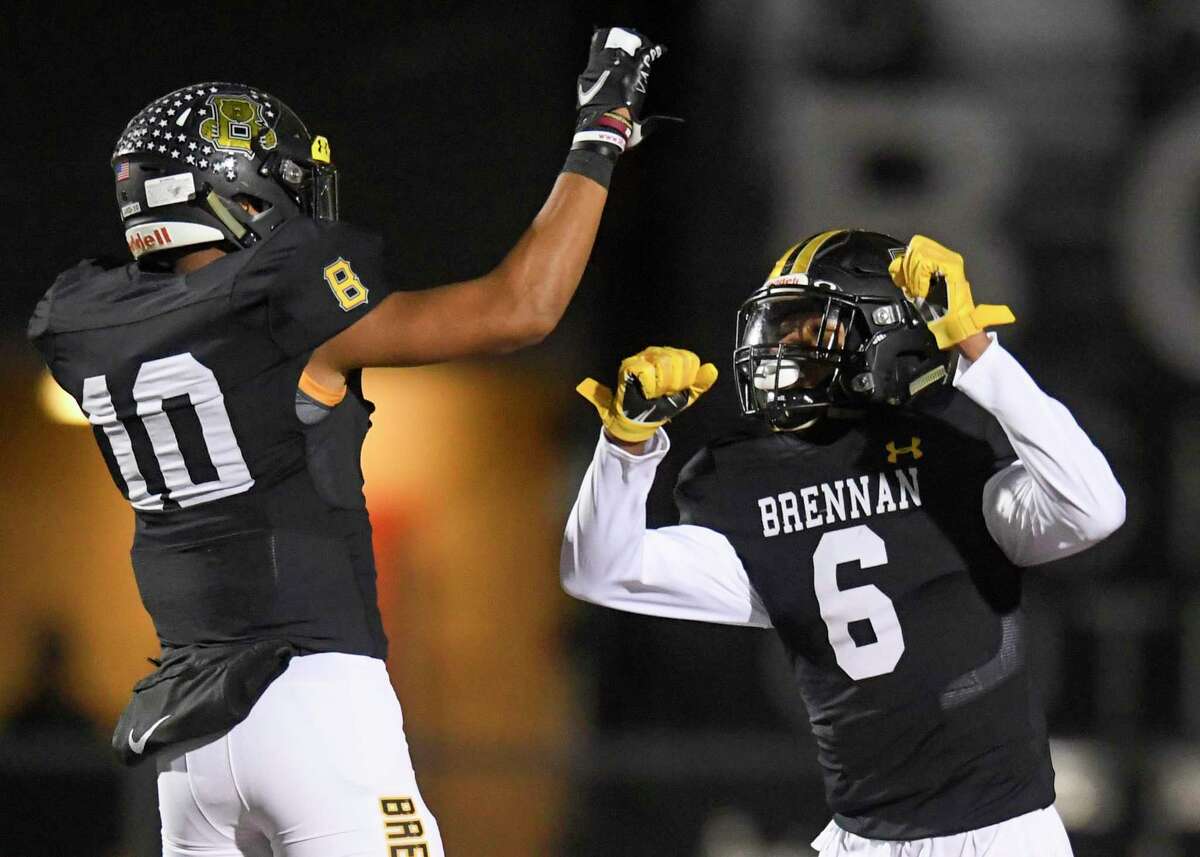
(345, 284)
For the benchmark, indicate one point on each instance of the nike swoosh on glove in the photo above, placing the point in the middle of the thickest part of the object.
(924, 268)
(653, 386)
(617, 75)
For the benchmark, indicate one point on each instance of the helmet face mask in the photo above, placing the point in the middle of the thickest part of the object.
(186, 162)
(793, 347)
(321, 200)
(838, 334)
(311, 182)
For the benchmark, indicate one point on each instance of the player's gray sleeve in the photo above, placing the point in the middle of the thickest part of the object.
(1060, 496)
(309, 410)
(610, 558)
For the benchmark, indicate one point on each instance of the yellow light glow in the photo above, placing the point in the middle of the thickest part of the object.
(57, 403)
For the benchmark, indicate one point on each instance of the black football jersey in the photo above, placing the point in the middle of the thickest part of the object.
(867, 543)
(249, 524)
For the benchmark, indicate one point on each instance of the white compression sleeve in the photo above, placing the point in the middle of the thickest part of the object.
(1060, 497)
(609, 557)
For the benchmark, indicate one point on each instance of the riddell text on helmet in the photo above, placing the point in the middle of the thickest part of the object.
(140, 243)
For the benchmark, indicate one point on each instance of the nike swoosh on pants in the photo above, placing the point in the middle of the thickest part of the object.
(140, 744)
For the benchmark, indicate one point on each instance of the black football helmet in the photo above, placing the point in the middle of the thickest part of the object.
(829, 327)
(187, 160)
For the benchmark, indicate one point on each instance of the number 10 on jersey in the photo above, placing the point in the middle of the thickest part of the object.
(163, 387)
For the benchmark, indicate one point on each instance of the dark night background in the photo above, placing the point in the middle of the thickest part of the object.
(1057, 146)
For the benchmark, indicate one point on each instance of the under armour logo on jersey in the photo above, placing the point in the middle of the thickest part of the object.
(894, 452)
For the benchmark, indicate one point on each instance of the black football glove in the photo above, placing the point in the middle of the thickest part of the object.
(617, 75)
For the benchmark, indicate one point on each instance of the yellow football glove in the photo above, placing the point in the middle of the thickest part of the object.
(653, 386)
(916, 273)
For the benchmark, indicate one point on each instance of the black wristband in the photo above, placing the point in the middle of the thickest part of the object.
(587, 162)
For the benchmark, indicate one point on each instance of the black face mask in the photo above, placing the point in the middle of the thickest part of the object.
(806, 346)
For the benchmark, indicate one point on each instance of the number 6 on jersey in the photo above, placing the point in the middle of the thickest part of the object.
(840, 607)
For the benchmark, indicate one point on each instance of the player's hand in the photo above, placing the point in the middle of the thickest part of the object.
(930, 272)
(653, 386)
(612, 89)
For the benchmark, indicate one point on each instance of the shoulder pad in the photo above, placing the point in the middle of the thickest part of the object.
(302, 244)
(956, 410)
(698, 488)
(741, 435)
(315, 280)
(86, 278)
(982, 431)
(39, 322)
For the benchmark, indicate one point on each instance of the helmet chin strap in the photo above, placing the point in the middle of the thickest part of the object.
(818, 413)
(800, 427)
(829, 412)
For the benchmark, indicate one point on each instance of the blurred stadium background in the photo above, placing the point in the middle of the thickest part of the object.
(1057, 145)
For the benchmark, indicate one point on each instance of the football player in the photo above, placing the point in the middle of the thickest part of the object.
(903, 468)
(220, 371)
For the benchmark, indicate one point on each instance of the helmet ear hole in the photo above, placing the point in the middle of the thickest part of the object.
(907, 364)
(252, 204)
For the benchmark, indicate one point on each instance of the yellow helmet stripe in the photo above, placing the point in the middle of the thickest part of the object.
(805, 257)
(785, 261)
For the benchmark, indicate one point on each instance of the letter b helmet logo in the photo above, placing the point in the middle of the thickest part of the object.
(234, 123)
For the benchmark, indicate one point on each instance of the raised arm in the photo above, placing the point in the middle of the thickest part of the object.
(516, 304)
(522, 299)
(609, 557)
(1060, 496)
